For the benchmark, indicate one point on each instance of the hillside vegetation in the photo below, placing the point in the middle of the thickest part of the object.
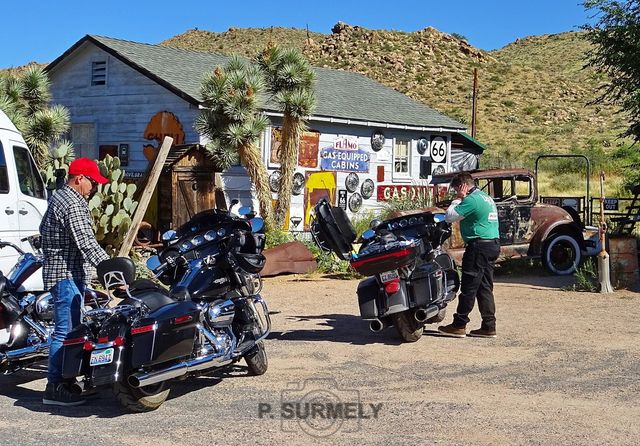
(534, 95)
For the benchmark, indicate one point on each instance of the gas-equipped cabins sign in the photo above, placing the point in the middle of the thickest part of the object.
(344, 156)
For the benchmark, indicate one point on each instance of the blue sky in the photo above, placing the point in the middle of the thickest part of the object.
(42, 30)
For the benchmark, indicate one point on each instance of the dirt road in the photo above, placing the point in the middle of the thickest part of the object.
(564, 370)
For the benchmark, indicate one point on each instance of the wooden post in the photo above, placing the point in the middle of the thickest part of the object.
(145, 198)
(603, 257)
(474, 106)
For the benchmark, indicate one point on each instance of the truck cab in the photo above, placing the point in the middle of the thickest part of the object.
(23, 196)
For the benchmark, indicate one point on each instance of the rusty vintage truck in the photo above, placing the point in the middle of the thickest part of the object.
(528, 228)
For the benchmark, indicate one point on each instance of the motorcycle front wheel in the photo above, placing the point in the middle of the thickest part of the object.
(409, 329)
(141, 399)
(256, 360)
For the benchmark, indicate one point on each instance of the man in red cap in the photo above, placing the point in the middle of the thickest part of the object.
(70, 251)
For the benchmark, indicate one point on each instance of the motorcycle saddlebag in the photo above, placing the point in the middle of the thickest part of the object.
(166, 334)
(368, 292)
(74, 353)
(427, 284)
(380, 257)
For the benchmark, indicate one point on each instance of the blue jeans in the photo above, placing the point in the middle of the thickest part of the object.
(68, 299)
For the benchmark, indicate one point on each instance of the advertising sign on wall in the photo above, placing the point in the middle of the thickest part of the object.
(344, 156)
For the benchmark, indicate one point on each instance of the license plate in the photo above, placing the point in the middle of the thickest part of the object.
(101, 357)
(388, 276)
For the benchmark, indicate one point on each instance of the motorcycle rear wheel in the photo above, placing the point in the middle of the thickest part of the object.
(141, 399)
(257, 360)
(409, 329)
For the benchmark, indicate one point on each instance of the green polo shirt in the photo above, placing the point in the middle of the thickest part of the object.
(480, 217)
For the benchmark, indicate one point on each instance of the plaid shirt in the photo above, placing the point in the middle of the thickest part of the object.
(68, 242)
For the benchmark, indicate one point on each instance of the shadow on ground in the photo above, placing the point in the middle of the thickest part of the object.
(345, 328)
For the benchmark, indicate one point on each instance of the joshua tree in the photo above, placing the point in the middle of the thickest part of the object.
(25, 98)
(233, 123)
(289, 78)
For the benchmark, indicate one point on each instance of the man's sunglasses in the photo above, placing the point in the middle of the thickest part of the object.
(93, 182)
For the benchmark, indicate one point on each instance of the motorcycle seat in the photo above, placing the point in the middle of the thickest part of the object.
(153, 299)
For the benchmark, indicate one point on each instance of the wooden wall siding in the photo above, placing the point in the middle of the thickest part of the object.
(192, 192)
(122, 108)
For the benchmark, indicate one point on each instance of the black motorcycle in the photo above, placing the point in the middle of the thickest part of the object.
(26, 315)
(412, 279)
(212, 316)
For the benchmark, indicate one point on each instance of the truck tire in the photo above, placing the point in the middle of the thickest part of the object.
(141, 399)
(408, 328)
(561, 254)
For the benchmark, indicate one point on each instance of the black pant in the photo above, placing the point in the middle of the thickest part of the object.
(477, 282)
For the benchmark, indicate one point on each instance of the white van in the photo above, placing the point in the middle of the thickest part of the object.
(23, 197)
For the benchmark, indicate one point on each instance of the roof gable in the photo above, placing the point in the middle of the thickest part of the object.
(340, 94)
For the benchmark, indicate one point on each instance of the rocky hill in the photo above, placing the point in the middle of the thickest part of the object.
(534, 95)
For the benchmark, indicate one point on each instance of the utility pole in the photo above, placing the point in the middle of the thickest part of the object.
(474, 107)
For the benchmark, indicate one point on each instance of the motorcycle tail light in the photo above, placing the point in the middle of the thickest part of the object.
(88, 346)
(143, 329)
(74, 341)
(118, 341)
(392, 287)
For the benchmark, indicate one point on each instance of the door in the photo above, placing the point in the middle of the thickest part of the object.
(193, 192)
(9, 226)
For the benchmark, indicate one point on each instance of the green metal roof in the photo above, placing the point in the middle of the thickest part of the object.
(340, 94)
(474, 141)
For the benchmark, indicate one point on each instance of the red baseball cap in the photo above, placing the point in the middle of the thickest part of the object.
(88, 168)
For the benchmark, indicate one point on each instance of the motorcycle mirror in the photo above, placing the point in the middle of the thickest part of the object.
(244, 210)
(374, 223)
(169, 235)
(368, 234)
(256, 223)
(153, 262)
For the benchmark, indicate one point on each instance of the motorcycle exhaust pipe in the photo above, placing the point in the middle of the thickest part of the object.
(378, 325)
(422, 314)
(24, 353)
(178, 370)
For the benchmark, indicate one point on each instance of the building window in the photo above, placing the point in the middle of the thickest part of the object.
(83, 137)
(99, 72)
(401, 157)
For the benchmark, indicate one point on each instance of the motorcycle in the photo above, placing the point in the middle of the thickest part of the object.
(26, 316)
(411, 279)
(212, 315)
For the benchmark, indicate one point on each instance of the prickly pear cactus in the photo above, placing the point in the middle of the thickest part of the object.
(112, 206)
(59, 158)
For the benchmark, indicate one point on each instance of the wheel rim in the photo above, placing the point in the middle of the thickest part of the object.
(562, 255)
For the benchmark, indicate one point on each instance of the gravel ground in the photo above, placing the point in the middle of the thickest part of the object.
(564, 370)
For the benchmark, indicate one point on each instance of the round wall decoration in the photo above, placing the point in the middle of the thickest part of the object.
(367, 188)
(274, 181)
(355, 202)
(377, 140)
(298, 183)
(352, 181)
(422, 146)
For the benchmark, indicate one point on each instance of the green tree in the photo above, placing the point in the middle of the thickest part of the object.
(233, 123)
(616, 52)
(25, 98)
(289, 78)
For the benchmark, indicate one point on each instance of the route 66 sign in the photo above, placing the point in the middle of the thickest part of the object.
(438, 149)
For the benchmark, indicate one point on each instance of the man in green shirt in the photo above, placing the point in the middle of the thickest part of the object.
(478, 217)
